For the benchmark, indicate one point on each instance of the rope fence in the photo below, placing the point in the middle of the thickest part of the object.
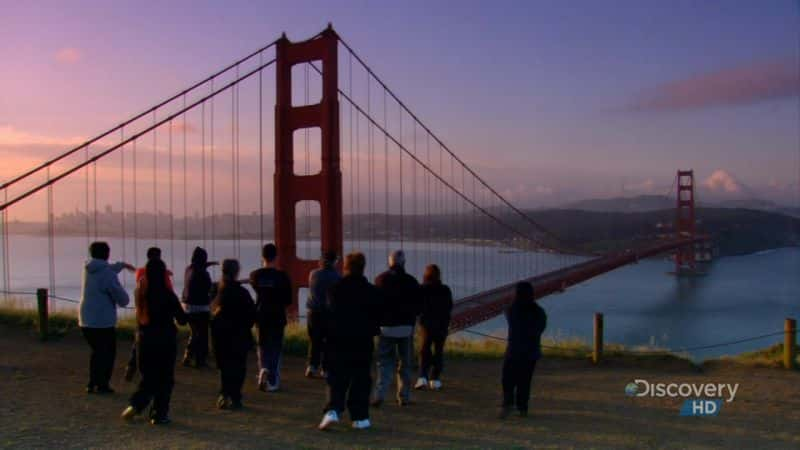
(789, 332)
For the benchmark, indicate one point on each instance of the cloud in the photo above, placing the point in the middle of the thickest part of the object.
(69, 55)
(722, 181)
(12, 137)
(741, 85)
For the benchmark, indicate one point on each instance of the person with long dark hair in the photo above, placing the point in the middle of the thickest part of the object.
(437, 303)
(157, 310)
(526, 323)
(233, 316)
(196, 297)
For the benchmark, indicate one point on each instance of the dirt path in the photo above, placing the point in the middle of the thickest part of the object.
(574, 405)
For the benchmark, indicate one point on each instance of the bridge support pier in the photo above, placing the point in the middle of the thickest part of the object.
(324, 187)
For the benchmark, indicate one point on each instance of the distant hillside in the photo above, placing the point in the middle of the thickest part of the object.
(735, 231)
(623, 204)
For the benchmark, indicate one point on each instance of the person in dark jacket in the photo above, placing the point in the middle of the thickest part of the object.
(319, 281)
(351, 322)
(141, 273)
(437, 303)
(526, 323)
(402, 305)
(157, 310)
(196, 297)
(233, 318)
(273, 295)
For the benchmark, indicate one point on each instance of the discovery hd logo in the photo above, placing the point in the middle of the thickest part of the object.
(701, 399)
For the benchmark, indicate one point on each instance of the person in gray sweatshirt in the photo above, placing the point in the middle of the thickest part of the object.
(101, 294)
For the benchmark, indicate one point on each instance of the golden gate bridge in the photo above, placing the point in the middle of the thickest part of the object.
(342, 149)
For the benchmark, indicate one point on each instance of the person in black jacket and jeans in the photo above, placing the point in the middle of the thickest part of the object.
(319, 281)
(196, 297)
(273, 295)
(526, 323)
(351, 322)
(437, 303)
(157, 310)
(233, 318)
(401, 295)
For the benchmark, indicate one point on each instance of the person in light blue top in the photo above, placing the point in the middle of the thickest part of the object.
(101, 295)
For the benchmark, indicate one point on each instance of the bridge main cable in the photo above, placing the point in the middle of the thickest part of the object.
(122, 125)
(566, 248)
(132, 138)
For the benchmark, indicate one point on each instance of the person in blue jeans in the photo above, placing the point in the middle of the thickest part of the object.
(273, 295)
(526, 323)
(319, 282)
(402, 303)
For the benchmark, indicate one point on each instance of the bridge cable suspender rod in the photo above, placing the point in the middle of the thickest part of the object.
(388, 137)
(133, 138)
(444, 146)
(135, 118)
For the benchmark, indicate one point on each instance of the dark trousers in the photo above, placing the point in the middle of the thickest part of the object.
(315, 324)
(517, 376)
(132, 359)
(349, 379)
(431, 355)
(197, 347)
(232, 370)
(103, 342)
(270, 347)
(157, 349)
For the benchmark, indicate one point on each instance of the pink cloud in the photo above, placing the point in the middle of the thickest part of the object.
(741, 85)
(720, 180)
(68, 55)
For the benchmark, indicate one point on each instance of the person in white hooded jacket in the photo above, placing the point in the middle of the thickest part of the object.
(101, 294)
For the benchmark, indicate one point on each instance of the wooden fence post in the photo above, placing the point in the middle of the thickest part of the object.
(789, 343)
(597, 352)
(41, 297)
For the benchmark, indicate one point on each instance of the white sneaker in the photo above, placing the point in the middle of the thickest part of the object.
(435, 385)
(422, 383)
(328, 419)
(361, 424)
(273, 387)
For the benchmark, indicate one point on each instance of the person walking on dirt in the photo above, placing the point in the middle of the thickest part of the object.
(157, 310)
(437, 303)
(152, 253)
(101, 295)
(196, 298)
(233, 318)
(319, 281)
(526, 323)
(353, 310)
(401, 295)
(273, 295)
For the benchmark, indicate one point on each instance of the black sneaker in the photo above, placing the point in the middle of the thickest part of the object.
(504, 412)
(187, 362)
(90, 389)
(222, 402)
(523, 413)
(236, 405)
(104, 390)
(160, 420)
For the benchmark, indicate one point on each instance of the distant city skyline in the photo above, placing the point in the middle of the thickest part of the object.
(549, 102)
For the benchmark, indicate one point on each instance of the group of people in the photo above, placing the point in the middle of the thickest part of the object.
(345, 315)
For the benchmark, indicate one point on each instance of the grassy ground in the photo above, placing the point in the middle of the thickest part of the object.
(574, 405)
(296, 343)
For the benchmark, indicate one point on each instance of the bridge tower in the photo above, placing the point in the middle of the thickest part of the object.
(685, 222)
(324, 187)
